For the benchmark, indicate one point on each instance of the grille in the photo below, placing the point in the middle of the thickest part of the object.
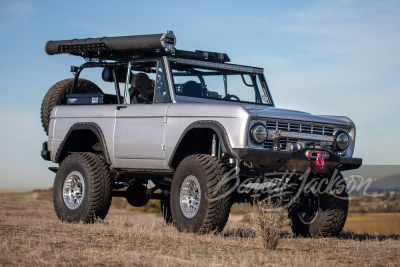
(298, 127)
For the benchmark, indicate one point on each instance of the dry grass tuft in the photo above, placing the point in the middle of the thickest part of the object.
(267, 220)
(242, 231)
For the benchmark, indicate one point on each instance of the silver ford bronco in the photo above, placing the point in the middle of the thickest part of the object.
(192, 130)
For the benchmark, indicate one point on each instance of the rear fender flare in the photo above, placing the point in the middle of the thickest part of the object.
(91, 126)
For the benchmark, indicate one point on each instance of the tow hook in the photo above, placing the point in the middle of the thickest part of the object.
(319, 157)
(319, 161)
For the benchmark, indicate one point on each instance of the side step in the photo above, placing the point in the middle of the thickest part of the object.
(53, 169)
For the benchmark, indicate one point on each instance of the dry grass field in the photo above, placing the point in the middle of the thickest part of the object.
(374, 223)
(30, 234)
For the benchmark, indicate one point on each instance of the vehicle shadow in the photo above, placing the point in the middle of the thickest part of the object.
(365, 237)
(240, 231)
(248, 232)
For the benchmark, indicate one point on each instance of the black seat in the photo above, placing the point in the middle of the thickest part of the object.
(192, 88)
(141, 83)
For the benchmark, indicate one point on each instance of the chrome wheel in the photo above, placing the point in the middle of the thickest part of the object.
(73, 190)
(190, 196)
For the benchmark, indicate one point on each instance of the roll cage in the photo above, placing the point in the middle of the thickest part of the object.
(120, 72)
(118, 53)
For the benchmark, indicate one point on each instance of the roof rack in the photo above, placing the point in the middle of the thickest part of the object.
(128, 47)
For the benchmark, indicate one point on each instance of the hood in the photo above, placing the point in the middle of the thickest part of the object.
(287, 114)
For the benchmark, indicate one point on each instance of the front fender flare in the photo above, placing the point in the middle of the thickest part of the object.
(217, 127)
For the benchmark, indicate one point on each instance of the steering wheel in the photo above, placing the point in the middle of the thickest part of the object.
(229, 97)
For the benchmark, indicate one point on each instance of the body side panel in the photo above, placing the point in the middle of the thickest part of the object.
(139, 132)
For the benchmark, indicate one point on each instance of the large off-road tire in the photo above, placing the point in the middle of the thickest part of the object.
(196, 205)
(57, 95)
(82, 188)
(330, 214)
(166, 210)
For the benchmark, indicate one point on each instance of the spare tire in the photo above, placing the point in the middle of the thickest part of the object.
(57, 95)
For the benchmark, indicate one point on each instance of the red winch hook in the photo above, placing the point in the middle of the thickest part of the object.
(320, 160)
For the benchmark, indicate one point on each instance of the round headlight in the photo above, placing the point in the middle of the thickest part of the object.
(258, 133)
(342, 141)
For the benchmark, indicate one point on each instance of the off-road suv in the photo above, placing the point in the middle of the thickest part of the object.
(192, 130)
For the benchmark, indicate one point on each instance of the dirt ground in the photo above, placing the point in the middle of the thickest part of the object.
(31, 234)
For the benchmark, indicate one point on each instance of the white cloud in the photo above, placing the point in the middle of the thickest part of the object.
(359, 47)
(251, 20)
(14, 14)
(18, 9)
(98, 29)
(347, 26)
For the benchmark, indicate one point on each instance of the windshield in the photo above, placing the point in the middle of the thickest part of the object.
(220, 84)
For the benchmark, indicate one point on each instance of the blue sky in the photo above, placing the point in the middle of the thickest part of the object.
(323, 57)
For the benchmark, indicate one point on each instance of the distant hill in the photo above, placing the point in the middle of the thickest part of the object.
(385, 177)
(388, 183)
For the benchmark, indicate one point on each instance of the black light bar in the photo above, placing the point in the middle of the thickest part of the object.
(230, 67)
(204, 55)
(122, 44)
(128, 47)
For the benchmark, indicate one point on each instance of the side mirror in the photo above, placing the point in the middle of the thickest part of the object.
(143, 98)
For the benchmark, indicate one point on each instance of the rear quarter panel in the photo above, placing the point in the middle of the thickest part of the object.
(63, 117)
